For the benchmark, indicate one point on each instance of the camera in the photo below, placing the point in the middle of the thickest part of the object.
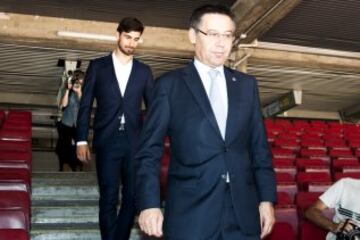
(74, 77)
(354, 234)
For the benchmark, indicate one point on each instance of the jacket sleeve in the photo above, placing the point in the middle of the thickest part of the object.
(87, 99)
(261, 155)
(148, 88)
(148, 157)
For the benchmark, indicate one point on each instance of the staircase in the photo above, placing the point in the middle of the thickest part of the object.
(65, 207)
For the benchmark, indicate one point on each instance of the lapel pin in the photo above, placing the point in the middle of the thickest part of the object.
(234, 79)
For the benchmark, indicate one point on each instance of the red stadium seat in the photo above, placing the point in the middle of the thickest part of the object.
(274, 129)
(313, 153)
(16, 200)
(284, 123)
(338, 165)
(284, 169)
(311, 132)
(301, 123)
(357, 152)
(288, 215)
(354, 143)
(304, 178)
(304, 200)
(14, 134)
(290, 188)
(283, 162)
(12, 219)
(19, 114)
(303, 163)
(14, 186)
(284, 199)
(318, 124)
(15, 156)
(283, 153)
(282, 231)
(309, 231)
(319, 186)
(341, 153)
(17, 125)
(336, 143)
(14, 165)
(283, 177)
(346, 175)
(17, 146)
(312, 143)
(14, 234)
(15, 175)
(287, 144)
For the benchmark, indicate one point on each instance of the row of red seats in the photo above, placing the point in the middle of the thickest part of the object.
(15, 175)
(319, 143)
(302, 124)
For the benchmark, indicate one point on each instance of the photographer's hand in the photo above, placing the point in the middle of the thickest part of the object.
(348, 227)
(69, 85)
(77, 90)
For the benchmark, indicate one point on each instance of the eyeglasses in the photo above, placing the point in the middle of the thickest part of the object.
(216, 35)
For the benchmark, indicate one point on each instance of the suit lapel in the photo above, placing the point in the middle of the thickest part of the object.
(114, 81)
(193, 81)
(234, 101)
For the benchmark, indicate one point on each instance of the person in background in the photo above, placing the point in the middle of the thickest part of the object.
(69, 106)
(343, 196)
(119, 83)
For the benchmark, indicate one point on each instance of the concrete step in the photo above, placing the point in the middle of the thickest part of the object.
(63, 177)
(65, 207)
(57, 231)
(85, 211)
(87, 231)
(78, 192)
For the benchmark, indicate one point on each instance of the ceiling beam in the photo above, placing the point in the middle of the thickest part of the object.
(43, 31)
(255, 17)
(287, 57)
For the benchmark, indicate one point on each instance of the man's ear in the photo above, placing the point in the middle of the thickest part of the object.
(192, 35)
(118, 35)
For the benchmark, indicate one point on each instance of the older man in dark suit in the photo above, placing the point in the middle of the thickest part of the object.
(221, 183)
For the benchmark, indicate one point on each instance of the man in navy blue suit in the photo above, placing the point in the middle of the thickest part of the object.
(119, 83)
(221, 183)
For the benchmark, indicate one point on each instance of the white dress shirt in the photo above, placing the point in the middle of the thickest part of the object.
(122, 73)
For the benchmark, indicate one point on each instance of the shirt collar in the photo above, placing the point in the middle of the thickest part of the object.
(204, 69)
(118, 63)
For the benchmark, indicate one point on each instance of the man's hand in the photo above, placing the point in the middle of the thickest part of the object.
(83, 153)
(151, 221)
(267, 218)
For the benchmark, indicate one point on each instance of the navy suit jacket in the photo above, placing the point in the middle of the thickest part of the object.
(100, 83)
(199, 156)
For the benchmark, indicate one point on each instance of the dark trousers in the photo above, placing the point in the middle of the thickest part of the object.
(230, 229)
(114, 167)
(65, 147)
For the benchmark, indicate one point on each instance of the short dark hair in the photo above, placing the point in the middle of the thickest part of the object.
(199, 12)
(129, 24)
